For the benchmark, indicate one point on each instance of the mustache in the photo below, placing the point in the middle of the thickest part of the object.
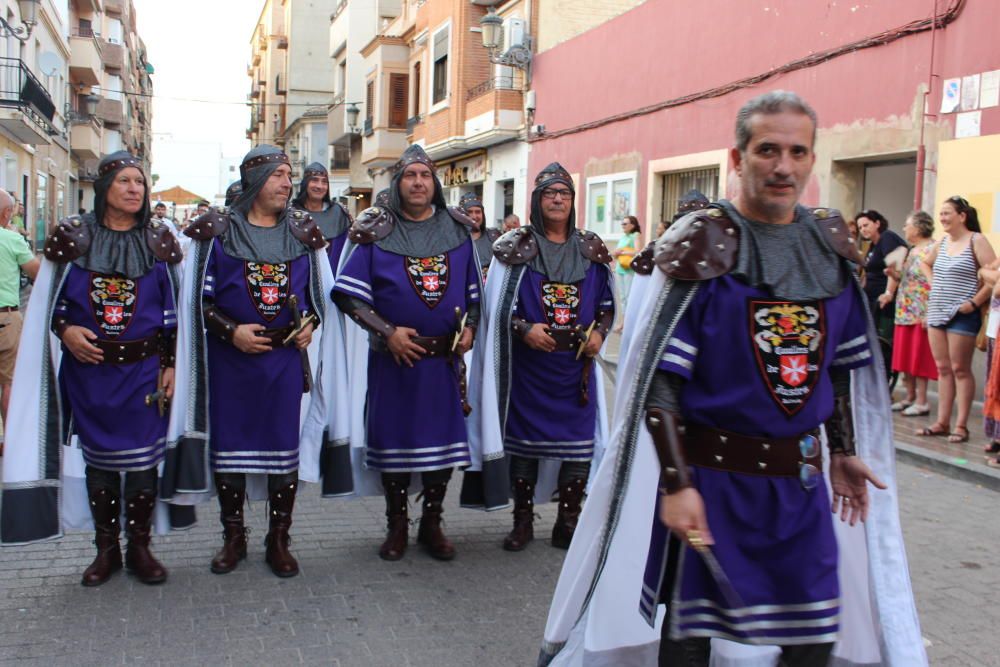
(779, 181)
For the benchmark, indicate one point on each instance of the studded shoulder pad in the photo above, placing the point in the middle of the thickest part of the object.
(831, 224)
(643, 263)
(492, 233)
(701, 245)
(209, 225)
(345, 212)
(305, 229)
(592, 247)
(163, 243)
(69, 240)
(516, 246)
(460, 217)
(372, 224)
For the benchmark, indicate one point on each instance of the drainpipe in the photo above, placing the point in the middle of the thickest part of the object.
(918, 189)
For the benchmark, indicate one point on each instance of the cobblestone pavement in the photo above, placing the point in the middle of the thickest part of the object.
(487, 608)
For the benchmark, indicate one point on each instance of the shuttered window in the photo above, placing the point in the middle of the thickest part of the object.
(398, 85)
(416, 89)
(440, 70)
(369, 100)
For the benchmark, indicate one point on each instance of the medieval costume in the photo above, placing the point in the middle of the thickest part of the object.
(67, 451)
(333, 221)
(486, 235)
(422, 275)
(232, 192)
(535, 405)
(262, 414)
(797, 347)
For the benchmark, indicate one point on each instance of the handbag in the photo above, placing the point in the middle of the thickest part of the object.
(625, 261)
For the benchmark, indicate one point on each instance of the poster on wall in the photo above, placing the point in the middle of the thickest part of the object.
(989, 89)
(950, 95)
(967, 124)
(622, 204)
(970, 92)
(599, 218)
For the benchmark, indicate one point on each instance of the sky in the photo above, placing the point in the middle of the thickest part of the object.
(199, 50)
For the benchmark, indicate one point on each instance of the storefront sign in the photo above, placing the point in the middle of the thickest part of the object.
(463, 172)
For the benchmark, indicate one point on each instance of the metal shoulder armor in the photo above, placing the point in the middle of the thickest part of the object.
(592, 247)
(372, 224)
(831, 224)
(163, 243)
(642, 263)
(701, 245)
(516, 246)
(459, 216)
(209, 225)
(304, 229)
(69, 240)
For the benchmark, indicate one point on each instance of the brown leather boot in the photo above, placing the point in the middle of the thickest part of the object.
(524, 516)
(397, 519)
(139, 560)
(429, 534)
(105, 509)
(277, 555)
(570, 497)
(234, 534)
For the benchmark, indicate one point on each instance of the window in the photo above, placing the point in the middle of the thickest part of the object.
(676, 184)
(439, 85)
(609, 199)
(416, 89)
(340, 158)
(342, 77)
(398, 85)
(369, 100)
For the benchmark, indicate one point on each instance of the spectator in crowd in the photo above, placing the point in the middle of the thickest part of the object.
(885, 248)
(991, 399)
(628, 246)
(17, 220)
(911, 351)
(953, 312)
(661, 228)
(511, 222)
(15, 256)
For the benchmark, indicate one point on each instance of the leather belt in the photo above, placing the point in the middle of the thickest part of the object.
(9, 309)
(129, 351)
(733, 452)
(436, 346)
(277, 335)
(567, 340)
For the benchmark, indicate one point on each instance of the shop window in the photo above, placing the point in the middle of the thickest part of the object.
(678, 183)
(609, 199)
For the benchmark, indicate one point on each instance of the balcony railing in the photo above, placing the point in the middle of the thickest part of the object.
(20, 89)
(493, 83)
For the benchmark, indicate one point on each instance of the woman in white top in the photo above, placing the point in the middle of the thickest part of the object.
(953, 312)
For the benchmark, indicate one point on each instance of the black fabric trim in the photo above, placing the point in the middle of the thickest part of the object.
(29, 515)
(488, 489)
(503, 342)
(335, 469)
(185, 468)
(182, 517)
(51, 399)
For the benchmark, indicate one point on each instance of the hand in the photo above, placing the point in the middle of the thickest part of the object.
(594, 343)
(538, 338)
(246, 340)
(77, 341)
(849, 478)
(465, 341)
(684, 511)
(404, 350)
(884, 300)
(304, 337)
(966, 308)
(167, 383)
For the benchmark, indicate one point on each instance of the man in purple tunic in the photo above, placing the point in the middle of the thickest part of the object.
(550, 309)
(413, 282)
(256, 276)
(482, 236)
(113, 288)
(331, 217)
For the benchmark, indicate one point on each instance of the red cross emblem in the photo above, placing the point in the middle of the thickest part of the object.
(431, 283)
(113, 314)
(794, 369)
(269, 295)
(562, 315)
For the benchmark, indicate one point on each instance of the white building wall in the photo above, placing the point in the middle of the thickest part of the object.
(506, 162)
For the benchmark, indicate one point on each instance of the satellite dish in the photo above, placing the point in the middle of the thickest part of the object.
(49, 63)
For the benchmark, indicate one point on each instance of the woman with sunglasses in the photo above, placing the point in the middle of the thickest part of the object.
(953, 312)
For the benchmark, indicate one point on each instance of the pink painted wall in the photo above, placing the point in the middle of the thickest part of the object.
(665, 49)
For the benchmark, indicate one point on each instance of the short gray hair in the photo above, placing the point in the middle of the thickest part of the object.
(923, 223)
(773, 102)
(6, 200)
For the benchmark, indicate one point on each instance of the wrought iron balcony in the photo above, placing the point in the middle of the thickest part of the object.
(28, 110)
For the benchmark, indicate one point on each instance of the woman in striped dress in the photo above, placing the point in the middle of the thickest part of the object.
(953, 312)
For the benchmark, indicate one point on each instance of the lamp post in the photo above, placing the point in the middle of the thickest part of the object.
(29, 18)
(352, 111)
(516, 55)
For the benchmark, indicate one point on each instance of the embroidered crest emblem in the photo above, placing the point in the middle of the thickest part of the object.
(561, 303)
(788, 345)
(267, 285)
(113, 299)
(429, 277)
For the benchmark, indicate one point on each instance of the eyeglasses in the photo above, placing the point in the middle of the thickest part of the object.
(549, 193)
(809, 474)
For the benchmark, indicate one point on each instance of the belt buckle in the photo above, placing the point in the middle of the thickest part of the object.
(809, 475)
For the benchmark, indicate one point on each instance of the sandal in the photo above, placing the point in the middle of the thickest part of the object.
(931, 431)
(899, 406)
(955, 437)
(992, 448)
(993, 463)
(917, 410)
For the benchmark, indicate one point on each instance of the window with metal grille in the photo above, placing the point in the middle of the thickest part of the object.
(678, 183)
(398, 88)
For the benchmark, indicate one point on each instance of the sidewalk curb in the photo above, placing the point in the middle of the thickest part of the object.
(960, 469)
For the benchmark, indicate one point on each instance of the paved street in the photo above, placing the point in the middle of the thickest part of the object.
(487, 608)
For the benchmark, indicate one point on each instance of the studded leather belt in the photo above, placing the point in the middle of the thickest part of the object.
(277, 335)
(436, 346)
(733, 452)
(567, 340)
(128, 351)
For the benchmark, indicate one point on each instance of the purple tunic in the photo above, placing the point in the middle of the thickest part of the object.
(334, 250)
(254, 399)
(414, 415)
(759, 365)
(545, 418)
(107, 407)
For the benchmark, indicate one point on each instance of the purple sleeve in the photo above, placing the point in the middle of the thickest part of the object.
(605, 299)
(851, 345)
(681, 352)
(355, 279)
(208, 291)
(169, 304)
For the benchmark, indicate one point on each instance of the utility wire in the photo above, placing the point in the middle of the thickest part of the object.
(328, 105)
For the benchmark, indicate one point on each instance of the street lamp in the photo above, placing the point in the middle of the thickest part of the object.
(492, 26)
(516, 55)
(29, 18)
(90, 103)
(352, 111)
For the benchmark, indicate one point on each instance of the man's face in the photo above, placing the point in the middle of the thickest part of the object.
(476, 213)
(317, 187)
(161, 211)
(128, 191)
(202, 209)
(556, 202)
(774, 169)
(273, 197)
(416, 186)
(20, 208)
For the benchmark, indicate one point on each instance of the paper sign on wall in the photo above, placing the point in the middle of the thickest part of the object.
(967, 124)
(970, 92)
(989, 89)
(950, 95)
